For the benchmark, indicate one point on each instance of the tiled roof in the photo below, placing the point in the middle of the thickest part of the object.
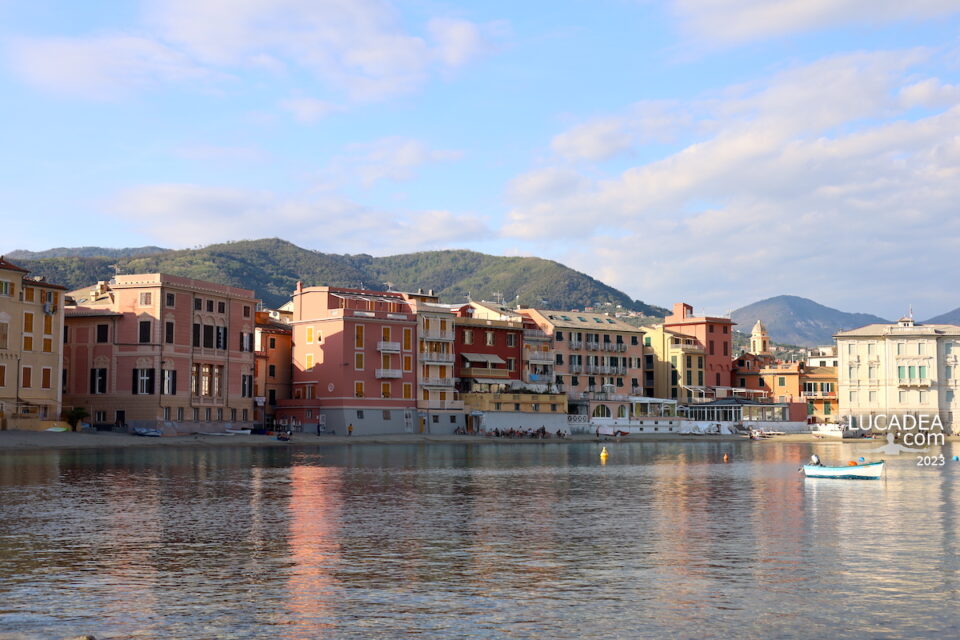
(6, 264)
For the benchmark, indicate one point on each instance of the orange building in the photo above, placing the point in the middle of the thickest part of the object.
(273, 360)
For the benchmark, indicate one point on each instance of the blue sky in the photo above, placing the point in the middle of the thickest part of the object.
(716, 151)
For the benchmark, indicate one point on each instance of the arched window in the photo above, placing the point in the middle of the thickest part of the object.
(622, 411)
(601, 411)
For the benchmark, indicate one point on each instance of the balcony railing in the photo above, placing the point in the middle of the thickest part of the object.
(575, 368)
(535, 334)
(683, 346)
(539, 356)
(575, 344)
(389, 373)
(388, 347)
(436, 334)
(436, 356)
(437, 382)
(593, 346)
(450, 405)
(819, 394)
(915, 382)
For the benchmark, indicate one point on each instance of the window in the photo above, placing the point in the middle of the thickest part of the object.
(491, 338)
(28, 322)
(4, 332)
(872, 396)
(28, 343)
(221, 307)
(168, 332)
(246, 386)
(221, 337)
(272, 397)
(710, 328)
(144, 331)
(923, 397)
(45, 378)
(6, 288)
(47, 345)
(711, 348)
(196, 414)
(853, 396)
(646, 341)
(171, 299)
(511, 364)
(359, 414)
(47, 324)
(919, 348)
(309, 335)
(385, 334)
(273, 343)
(358, 361)
(827, 408)
(871, 349)
(385, 390)
(407, 339)
(3, 375)
(246, 311)
(207, 414)
(308, 362)
(143, 381)
(726, 348)
(949, 396)
(407, 391)
(948, 371)
(98, 381)
(168, 382)
(511, 340)
(197, 306)
(209, 310)
(903, 397)
(922, 372)
(408, 363)
(386, 414)
(358, 336)
(99, 416)
(208, 336)
(901, 349)
(901, 372)
(781, 381)
(272, 370)
(146, 299)
(871, 372)
(358, 389)
(468, 336)
(559, 336)
(559, 359)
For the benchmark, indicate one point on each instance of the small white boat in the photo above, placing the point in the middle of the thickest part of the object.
(827, 430)
(862, 471)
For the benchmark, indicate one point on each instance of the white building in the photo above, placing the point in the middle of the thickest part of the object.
(899, 369)
(823, 357)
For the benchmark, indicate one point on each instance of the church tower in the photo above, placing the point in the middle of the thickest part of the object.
(759, 340)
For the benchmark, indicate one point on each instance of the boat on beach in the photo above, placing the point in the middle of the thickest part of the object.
(860, 471)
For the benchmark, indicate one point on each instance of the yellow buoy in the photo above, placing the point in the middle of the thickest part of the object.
(603, 453)
(726, 458)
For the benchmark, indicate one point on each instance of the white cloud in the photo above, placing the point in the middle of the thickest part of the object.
(102, 66)
(309, 110)
(393, 158)
(360, 48)
(736, 21)
(816, 181)
(182, 215)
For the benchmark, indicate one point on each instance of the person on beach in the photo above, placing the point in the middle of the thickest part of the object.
(350, 430)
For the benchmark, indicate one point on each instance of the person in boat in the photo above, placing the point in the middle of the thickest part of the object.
(815, 460)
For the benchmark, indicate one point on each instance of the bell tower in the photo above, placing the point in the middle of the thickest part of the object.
(759, 340)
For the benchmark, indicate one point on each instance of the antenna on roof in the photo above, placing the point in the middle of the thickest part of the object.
(910, 312)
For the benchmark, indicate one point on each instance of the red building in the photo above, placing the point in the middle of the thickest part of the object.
(489, 353)
(716, 335)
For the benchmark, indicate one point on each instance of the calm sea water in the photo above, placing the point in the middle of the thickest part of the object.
(475, 541)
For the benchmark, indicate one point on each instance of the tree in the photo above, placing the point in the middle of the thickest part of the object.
(74, 415)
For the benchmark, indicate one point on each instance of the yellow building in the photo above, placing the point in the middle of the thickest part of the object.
(677, 363)
(31, 349)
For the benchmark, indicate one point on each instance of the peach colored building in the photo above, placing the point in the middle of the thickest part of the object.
(31, 349)
(598, 360)
(161, 351)
(714, 333)
(353, 362)
(273, 365)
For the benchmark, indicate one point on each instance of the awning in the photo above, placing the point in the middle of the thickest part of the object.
(489, 358)
(490, 381)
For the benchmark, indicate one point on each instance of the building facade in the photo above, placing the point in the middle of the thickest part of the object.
(353, 362)
(31, 349)
(714, 333)
(161, 352)
(273, 365)
(899, 370)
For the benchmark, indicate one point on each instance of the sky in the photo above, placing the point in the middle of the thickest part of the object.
(712, 151)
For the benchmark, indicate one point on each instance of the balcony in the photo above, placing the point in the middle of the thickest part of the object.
(915, 382)
(436, 334)
(389, 373)
(449, 405)
(575, 344)
(592, 346)
(535, 335)
(540, 357)
(388, 347)
(688, 347)
(436, 356)
(437, 382)
(819, 394)
(609, 346)
(575, 368)
(484, 372)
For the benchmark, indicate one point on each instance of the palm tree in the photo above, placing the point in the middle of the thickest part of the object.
(74, 415)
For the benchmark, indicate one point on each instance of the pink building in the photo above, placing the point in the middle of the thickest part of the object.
(161, 351)
(714, 333)
(354, 361)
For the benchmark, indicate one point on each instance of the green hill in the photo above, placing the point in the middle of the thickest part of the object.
(272, 267)
(799, 321)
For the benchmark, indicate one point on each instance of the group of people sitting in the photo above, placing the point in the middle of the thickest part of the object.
(520, 432)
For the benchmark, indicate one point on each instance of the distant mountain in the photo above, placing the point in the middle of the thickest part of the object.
(799, 321)
(84, 252)
(950, 317)
(272, 267)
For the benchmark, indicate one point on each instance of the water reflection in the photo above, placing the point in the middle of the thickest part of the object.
(485, 541)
